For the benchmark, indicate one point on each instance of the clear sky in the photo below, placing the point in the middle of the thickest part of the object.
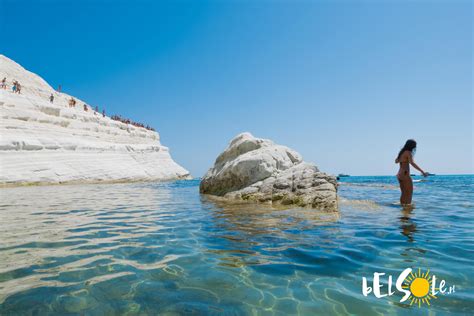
(345, 83)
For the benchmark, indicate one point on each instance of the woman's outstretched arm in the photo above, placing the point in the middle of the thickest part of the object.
(412, 162)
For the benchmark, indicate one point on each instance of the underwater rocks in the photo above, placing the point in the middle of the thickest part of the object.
(254, 169)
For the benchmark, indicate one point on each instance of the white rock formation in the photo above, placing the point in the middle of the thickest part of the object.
(43, 142)
(259, 170)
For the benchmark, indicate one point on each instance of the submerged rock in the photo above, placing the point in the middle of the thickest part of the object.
(259, 170)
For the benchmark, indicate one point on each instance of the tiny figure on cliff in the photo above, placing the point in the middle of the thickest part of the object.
(51, 98)
(72, 102)
(16, 87)
(4, 83)
(103, 112)
(85, 107)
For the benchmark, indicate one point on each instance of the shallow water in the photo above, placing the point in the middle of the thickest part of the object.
(157, 248)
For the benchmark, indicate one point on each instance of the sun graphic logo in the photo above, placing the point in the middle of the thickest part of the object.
(421, 287)
(417, 287)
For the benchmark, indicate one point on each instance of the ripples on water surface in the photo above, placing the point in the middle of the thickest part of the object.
(141, 249)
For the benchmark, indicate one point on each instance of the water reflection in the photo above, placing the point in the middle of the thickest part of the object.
(254, 219)
(407, 224)
(259, 234)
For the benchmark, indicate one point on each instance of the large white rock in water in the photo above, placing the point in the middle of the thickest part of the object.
(43, 142)
(259, 170)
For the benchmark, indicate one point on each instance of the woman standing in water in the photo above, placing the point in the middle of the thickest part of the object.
(405, 159)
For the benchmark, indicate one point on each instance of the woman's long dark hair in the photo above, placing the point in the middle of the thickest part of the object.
(409, 145)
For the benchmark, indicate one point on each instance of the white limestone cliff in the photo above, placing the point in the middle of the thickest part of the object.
(51, 143)
(258, 170)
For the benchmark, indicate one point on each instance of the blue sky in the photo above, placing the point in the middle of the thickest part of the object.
(345, 83)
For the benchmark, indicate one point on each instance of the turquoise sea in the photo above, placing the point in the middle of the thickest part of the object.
(161, 248)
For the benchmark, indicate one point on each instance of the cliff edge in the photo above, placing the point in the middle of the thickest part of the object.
(43, 142)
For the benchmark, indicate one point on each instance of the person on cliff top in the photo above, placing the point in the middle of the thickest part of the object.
(103, 112)
(18, 87)
(72, 102)
(85, 107)
(4, 83)
(51, 98)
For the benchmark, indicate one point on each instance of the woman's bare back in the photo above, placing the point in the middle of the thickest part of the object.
(404, 161)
